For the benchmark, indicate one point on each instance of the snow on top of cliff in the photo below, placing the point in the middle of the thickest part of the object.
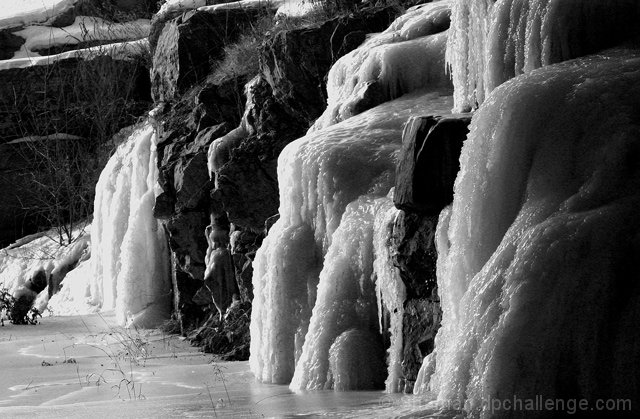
(119, 50)
(83, 29)
(290, 8)
(179, 5)
(23, 12)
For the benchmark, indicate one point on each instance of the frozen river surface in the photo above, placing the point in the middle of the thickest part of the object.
(86, 367)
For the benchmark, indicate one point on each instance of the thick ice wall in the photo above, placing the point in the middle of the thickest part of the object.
(129, 251)
(492, 41)
(343, 348)
(346, 301)
(319, 175)
(539, 286)
(407, 56)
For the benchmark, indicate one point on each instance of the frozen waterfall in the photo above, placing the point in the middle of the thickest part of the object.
(320, 176)
(492, 41)
(129, 250)
(323, 281)
(539, 286)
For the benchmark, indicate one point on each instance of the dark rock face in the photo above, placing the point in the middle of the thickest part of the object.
(415, 252)
(246, 184)
(275, 108)
(185, 47)
(429, 162)
(295, 62)
(420, 322)
(425, 175)
(185, 203)
(186, 311)
(288, 96)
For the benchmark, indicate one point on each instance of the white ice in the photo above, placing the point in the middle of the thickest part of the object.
(129, 250)
(492, 41)
(539, 286)
(321, 285)
(407, 56)
(319, 175)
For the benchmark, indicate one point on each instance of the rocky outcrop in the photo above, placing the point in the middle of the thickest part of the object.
(285, 99)
(295, 62)
(199, 109)
(427, 168)
(185, 45)
(429, 163)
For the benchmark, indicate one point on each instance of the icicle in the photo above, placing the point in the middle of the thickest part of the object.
(390, 290)
(491, 41)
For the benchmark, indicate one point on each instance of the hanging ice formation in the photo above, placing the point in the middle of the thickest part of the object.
(129, 249)
(407, 56)
(537, 264)
(321, 286)
(492, 41)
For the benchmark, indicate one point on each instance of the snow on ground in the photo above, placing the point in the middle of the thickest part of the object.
(23, 12)
(21, 260)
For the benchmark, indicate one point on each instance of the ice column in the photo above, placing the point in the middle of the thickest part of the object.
(129, 249)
